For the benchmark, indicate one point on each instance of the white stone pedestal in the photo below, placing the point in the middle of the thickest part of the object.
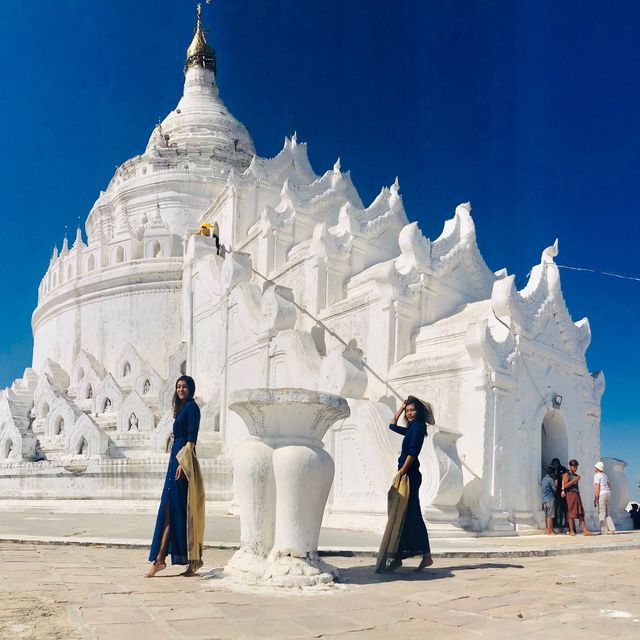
(283, 478)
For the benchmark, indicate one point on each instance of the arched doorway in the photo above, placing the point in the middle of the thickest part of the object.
(554, 440)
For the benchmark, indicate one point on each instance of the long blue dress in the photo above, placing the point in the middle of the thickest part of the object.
(174, 492)
(414, 540)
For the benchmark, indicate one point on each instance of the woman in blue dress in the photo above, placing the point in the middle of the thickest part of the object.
(414, 540)
(170, 535)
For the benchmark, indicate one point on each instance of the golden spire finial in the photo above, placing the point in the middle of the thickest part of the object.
(199, 53)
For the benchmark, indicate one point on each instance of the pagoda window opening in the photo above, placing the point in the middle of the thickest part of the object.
(133, 422)
(91, 263)
(8, 448)
(126, 369)
(183, 367)
(216, 424)
(69, 272)
(45, 410)
(58, 426)
(119, 255)
(156, 249)
(82, 448)
(146, 387)
(106, 405)
(89, 393)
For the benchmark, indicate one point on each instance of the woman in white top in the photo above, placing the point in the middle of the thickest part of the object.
(603, 499)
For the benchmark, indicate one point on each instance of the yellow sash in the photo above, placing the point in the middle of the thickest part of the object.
(195, 501)
(397, 499)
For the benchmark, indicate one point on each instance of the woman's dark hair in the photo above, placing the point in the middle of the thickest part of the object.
(177, 403)
(551, 470)
(573, 462)
(422, 413)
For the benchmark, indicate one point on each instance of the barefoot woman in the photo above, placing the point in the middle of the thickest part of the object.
(170, 535)
(414, 540)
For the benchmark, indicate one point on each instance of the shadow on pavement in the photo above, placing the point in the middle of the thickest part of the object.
(367, 574)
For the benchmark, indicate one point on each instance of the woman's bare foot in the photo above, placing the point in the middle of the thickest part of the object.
(156, 567)
(587, 533)
(192, 568)
(426, 561)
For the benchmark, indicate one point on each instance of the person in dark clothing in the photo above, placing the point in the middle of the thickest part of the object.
(634, 514)
(414, 539)
(560, 514)
(170, 533)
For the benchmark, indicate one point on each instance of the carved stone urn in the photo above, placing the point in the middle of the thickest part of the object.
(283, 478)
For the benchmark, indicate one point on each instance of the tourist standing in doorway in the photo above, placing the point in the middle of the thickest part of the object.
(602, 499)
(571, 491)
(414, 540)
(560, 515)
(548, 488)
(179, 530)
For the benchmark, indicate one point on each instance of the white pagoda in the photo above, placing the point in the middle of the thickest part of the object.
(312, 289)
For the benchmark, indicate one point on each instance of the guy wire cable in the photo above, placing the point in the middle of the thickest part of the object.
(611, 274)
(334, 335)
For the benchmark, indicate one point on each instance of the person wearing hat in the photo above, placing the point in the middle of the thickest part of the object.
(413, 539)
(603, 499)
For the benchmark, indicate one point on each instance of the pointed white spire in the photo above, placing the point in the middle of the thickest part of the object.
(336, 166)
(157, 218)
(78, 240)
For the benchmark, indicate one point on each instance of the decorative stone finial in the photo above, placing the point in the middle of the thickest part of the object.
(549, 253)
(199, 53)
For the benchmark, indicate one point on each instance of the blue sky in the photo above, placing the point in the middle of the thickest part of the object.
(527, 109)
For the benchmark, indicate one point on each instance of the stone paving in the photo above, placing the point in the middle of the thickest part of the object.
(76, 593)
(82, 523)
